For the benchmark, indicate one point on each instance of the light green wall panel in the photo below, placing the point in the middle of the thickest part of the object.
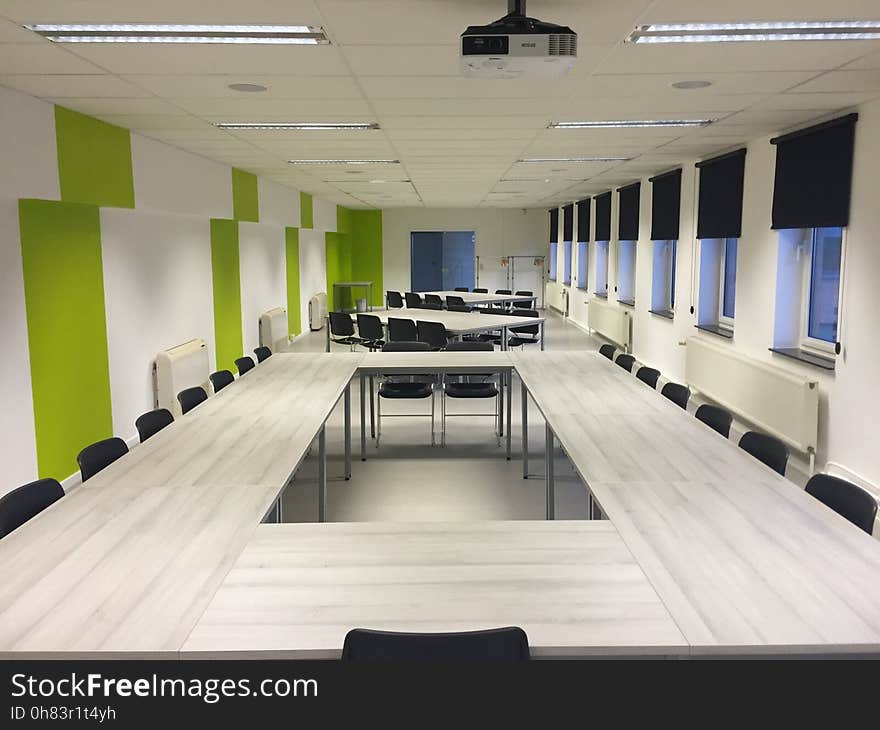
(343, 219)
(294, 324)
(227, 292)
(67, 330)
(306, 211)
(94, 160)
(366, 250)
(338, 259)
(245, 196)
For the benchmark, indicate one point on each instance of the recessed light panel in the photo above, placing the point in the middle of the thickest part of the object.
(633, 123)
(556, 160)
(825, 30)
(344, 162)
(157, 33)
(300, 126)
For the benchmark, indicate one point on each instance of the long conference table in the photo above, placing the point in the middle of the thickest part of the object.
(166, 553)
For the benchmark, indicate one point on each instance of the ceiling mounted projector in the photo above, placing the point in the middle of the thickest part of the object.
(517, 47)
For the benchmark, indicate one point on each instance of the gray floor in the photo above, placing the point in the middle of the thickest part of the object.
(406, 479)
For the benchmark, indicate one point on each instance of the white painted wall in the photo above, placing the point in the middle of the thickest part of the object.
(263, 274)
(323, 215)
(312, 269)
(499, 232)
(279, 205)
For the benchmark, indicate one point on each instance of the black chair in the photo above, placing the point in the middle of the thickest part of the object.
(649, 376)
(191, 397)
(481, 291)
(678, 394)
(525, 305)
(626, 362)
(767, 449)
(371, 332)
(394, 300)
(461, 288)
(393, 388)
(19, 505)
(263, 353)
(402, 330)
(493, 336)
(493, 645)
(456, 304)
(342, 330)
(527, 335)
(463, 387)
(715, 418)
(608, 351)
(151, 423)
(503, 291)
(244, 364)
(434, 333)
(433, 299)
(431, 305)
(221, 379)
(100, 455)
(413, 300)
(845, 498)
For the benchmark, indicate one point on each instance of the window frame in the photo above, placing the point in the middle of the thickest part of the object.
(814, 345)
(567, 262)
(553, 263)
(603, 247)
(723, 320)
(583, 251)
(669, 285)
(632, 247)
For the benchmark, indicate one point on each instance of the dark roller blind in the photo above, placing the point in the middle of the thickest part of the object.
(628, 212)
(568, 223)
(583, 207)
(665, 206)
(721, 196)
(554, 225)
(603, 217)
(814, 175)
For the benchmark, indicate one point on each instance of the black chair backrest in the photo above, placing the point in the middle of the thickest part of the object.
(433, 299)
(626, 362)
(454, 301)
(495, 645)
(649, 376)
(716, 418)
(370, 327)
(461, 288)
(152, 422)
(406, 347)
(845, 498)
(430, 305)
(434, 333)
(481, 291)
(221, 379)
(401, 330)
(677, 393)
(263, 353)
(191, 397)
(341, 324)
(99, 456)
(767, 449)
(19, 505)
(503, 291)
(413, 300)
(244, 364)
(607, 351)
(470, 346)
(525, 293)
(458, 308)
(394, 300)
(531, 329)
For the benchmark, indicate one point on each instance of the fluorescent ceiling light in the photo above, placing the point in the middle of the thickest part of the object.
(635, 124)
(344, 162)
(299, 126)
(825, 30)
(152, 33)
(554, 160)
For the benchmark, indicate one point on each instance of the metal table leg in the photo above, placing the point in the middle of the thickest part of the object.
(548, 472)
(509, 377)
(501, 405)
(347, 399)
(322, 475)
(327, 327)
(542, 335)
(372, 410)
(524, 394)
(503, 338)
(363, 419)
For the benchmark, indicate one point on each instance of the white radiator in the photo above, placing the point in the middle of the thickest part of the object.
(557, 298)
(273, 329)
(184, 366)
(775, 400)
(317, 311)
(611, 322)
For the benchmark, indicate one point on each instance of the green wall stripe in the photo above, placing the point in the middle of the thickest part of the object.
(227, 292)
(94, 160)
(306, 211)
(67, 330)
(338, 260)
(366, 250)
(245, 196)
(291, 238)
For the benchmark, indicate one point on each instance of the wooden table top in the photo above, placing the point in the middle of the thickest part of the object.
(402, 362)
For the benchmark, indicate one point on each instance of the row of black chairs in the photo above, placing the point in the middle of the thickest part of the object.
(395, 300)
(845, 498)
(25, 502)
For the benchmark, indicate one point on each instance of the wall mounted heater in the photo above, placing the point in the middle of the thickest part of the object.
(183, 366)
(613, 323)
(273, 329)
(318, 311)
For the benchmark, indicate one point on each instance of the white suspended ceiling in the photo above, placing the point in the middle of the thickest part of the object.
(396, 62)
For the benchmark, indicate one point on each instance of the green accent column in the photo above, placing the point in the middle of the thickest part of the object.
(294, 324)
(338, 258)
(306, 211)
(227, 292)
(366, 251)
(245, 196)
(67, 330)
(94, 160)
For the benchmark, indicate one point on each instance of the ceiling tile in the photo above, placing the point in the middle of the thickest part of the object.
(42, 58)
(278, 87)
(843, 81)
(72, 86)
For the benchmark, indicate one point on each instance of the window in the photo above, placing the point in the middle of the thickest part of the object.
(823, 286)
(663, 287)
(566, 265)
(717, 294)
(553, 251)
(728, 281)
(602, 268)
(583, 261)
(626, 279)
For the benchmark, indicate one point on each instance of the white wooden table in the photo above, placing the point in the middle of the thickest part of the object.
(296, 590)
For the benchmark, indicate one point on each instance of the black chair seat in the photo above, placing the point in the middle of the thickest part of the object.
(405, 390)
(471, 390)
(520, 341)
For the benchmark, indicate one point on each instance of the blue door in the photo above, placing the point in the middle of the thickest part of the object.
(441, 261)
(458, 259)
